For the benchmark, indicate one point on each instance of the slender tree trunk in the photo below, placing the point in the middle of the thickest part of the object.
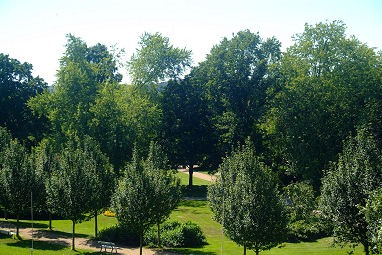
(140, 242)
(190, 173)
(74, 230)
(366, 248)
(159, 245)
(50, 221)
(17, 224)
(5, 215)
(257, 251)
(96, 223)
(245, 250)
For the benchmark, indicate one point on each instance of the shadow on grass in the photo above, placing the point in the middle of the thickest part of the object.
(55, 234)
(189, 251)
(192, 203)
(199, 191)
(23, 224)
(39, 245)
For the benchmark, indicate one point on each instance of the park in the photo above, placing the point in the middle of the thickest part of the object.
(255, 150)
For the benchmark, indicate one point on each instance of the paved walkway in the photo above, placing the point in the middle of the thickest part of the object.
(203, 176)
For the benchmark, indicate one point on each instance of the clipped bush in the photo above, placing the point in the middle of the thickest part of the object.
(119, 234)
(175, 234)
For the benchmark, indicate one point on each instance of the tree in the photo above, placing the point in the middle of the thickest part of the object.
(146, 194)
(325, 85)
(347, 186)
(72, 187)
(18, 179)
(82, 71)
(167, 191)
(156, 60)
(234, 78)
(373, 212)
(17, 86)
(186, 126)
(246, 202)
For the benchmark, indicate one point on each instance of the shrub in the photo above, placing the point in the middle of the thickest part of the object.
(119, 234)
(176, 234)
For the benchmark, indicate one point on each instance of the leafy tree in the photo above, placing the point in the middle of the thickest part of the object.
(104, 188)
(373, 212)
(17, 86)
(82, 71)
(144, 195)
(325, 86)
(156, 60)
(18, 179)
(166, 192)
(303, 220)
(72, 187)
(347, 186)
(246, 202)
(186, 125)
(235, 80)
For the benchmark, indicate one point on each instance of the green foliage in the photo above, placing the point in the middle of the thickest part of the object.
(373, 212)
(119, 234)
(324, 86)
(347, 186)
(304, 222)
(176, 234)
(246, 202)
(17, 86)
(156, 60)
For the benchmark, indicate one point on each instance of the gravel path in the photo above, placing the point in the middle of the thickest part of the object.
(82, 243)
(203, 176)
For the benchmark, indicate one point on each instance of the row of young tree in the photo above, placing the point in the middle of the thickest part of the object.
(297, 107)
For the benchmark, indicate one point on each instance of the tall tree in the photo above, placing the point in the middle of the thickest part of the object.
(72, 187)
(17, 86)
(325, 86)
(146, 194)
(347, 186)
(234, 77)
(18, 179)
(246, 202)
(186, 125)
(82, 71)
(156, 60)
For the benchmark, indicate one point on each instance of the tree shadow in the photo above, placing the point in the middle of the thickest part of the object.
(199, 191)
(189, 251)
(55, 234)
(39, 245)
(22, 224)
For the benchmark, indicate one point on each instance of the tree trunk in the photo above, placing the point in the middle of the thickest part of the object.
(245, 250)
(96, 223)
(17, 224)
(74, 229)
(140, 242)
(158, 235)
(190, 173)
(257, 251)
(50, 221)
(366, 248)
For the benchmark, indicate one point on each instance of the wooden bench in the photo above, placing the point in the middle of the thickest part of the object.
(108, 245)
(7, 232)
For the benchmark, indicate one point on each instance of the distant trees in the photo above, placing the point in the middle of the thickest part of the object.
(246, 202)
(17, 86)
(347, 186)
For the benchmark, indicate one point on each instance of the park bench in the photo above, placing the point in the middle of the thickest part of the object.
(108, 245)
(7, 232)
(6, 228)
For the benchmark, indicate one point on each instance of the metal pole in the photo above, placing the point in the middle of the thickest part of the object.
(32, 220)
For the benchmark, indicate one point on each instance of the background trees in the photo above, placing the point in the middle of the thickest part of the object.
(347, 186)
(327, 85)
(246, 202)
(17, 86)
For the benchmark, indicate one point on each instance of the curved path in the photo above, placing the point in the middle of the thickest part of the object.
(81, 243)
(203, 176)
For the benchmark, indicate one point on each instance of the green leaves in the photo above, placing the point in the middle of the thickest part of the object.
(245, 201)
(347, 186)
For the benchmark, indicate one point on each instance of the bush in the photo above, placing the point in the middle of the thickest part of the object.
(175, 234)
(119, 234)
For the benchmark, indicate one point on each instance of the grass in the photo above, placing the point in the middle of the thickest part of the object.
(200, 213)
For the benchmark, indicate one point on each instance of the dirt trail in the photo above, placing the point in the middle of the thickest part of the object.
(203, 176)
(81, 243)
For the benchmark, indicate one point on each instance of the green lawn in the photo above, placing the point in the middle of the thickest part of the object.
(199, 212)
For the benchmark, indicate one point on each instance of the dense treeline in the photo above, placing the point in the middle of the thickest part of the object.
(305, 114)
